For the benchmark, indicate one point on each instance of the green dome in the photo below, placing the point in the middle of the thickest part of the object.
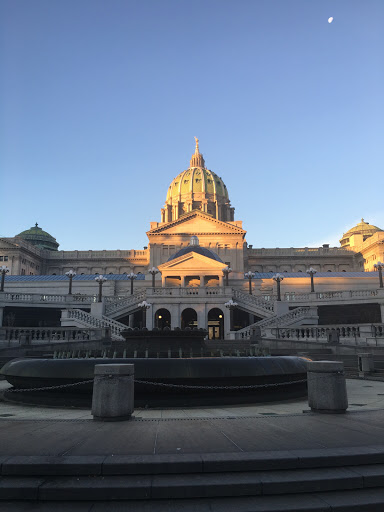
(42, 239)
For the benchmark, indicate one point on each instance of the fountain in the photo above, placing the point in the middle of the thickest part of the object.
(197, 380)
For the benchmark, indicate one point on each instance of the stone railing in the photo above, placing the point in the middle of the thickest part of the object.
(288, 318)
(187, 291)
(253, 300)
(34, 335)
(44, 298)
(64, 255)
(123, 302)
(302, 251)
(355, 334)
(329, 296)
(317, 332)
(80, 316)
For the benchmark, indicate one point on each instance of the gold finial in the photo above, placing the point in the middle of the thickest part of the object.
(197, 146)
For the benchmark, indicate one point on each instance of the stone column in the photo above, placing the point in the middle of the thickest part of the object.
(227, 322)
(382, 313)
(97, 309)
(327, 391)
(175, 315)
(201, 316)
(113, 392)
(202, 284)
(150, 318)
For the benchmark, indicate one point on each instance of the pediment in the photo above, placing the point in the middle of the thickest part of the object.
(5, 244)
(192, 262)
(195, 223)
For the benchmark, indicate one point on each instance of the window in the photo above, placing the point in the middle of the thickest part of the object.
(1, 258)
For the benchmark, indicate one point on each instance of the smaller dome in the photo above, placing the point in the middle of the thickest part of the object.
(362, 228)
(36, 236)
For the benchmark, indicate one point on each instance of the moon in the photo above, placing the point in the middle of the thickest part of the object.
(330, 19)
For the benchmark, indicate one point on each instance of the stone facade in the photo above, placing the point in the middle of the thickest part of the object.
(198, 204)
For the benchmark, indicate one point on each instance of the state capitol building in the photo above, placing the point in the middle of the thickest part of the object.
(197, 204)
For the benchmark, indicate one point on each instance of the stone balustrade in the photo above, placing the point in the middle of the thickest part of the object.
(43, 298)
(253, 300)
(338, 295)
(291, 317)
(36, 335)
(362, 334)
(85, 319)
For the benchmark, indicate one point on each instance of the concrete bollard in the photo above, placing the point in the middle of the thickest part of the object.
(365, 364)
(113, 392)
(327, 391)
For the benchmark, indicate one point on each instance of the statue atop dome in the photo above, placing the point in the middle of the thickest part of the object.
(197, 159)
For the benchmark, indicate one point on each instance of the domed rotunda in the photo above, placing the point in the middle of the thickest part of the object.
(364, 229)
(41, 239)
(197, 188)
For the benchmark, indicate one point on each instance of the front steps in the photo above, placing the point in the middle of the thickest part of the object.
(318, 479)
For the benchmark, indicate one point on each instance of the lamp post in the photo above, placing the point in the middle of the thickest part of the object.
(144, 306)
(231, 306)
(311, 271)
(132, 276)
(101, 280)
(278, 278)
(153, 271)
(4, 270)
(226, 271)
(249, 275)
(379, 266)
(70, 274)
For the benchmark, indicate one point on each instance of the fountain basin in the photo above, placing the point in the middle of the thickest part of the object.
(207, 372)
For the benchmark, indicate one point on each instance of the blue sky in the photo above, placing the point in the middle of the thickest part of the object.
(100, 101)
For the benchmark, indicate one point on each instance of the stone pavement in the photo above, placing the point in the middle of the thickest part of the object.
(266, 457)
(33, 430)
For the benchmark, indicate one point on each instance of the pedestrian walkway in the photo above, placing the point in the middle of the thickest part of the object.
(266, 457)
(362, 395)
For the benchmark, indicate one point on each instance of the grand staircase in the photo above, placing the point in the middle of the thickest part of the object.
(295, 317)
(255, 305)
(124, 304)
(80, 318)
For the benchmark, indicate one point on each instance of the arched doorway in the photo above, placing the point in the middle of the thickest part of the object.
(188, 318)
(215, 324)
(162, 318)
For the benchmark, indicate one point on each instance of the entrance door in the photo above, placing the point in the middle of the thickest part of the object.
(215, 324)
(214, 332)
